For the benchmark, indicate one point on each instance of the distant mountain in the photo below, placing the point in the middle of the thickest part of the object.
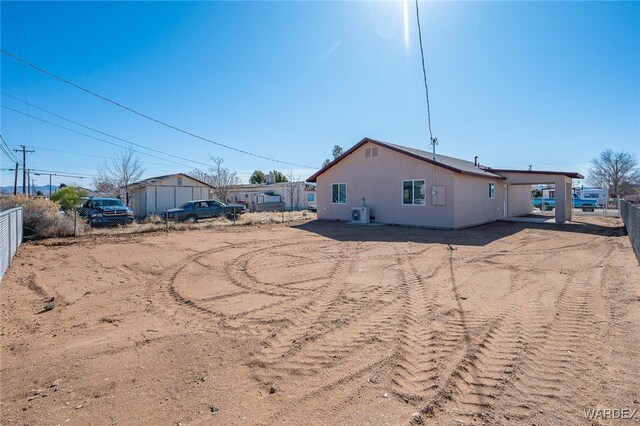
(43, 188)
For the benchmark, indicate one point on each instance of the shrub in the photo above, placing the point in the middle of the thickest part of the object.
(68, 197)
(41, 217)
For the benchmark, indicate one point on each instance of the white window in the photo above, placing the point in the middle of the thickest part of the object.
(311, 197)
(339, 193)
(492, 190)
(413, 192)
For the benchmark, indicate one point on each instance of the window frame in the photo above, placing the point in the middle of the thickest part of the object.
(492, 190)
(345, 193)
(413, 192)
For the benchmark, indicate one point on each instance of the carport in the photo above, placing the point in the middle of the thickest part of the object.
(561, 180)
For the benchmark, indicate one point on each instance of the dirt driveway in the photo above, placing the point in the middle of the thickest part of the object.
(324, 323)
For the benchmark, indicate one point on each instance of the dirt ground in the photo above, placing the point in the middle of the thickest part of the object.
(324, 323)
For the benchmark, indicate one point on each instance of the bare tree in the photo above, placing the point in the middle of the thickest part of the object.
(615, 171)
(104, 184)
(201, 175)
(118, 174)
(221, 179)
(295, 190)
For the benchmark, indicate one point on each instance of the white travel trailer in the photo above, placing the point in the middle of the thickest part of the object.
(599, 194)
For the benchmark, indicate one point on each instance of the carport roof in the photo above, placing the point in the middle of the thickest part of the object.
(455, 164)
(572, 175)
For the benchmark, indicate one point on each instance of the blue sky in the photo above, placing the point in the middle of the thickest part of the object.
(548, 84)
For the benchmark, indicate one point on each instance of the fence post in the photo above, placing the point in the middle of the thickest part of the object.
(75, 222)
(9, 254)
(234, 215)
(166, 218)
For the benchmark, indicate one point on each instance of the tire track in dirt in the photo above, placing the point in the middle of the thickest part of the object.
(180, 307)
(558, 364)
(416, 371)
(520, 357)
(286, 340)
(478, 355)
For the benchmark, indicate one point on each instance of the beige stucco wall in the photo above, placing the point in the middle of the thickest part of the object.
(519, 200)
(473, 205)
(379, 181)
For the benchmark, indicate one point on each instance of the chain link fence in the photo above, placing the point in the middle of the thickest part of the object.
(10, 236)
(631, 217)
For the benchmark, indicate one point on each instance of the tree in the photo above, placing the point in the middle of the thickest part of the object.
(258, 177)
(536, 193)
(295, 190)
(222, 179)
(279, 177)
(115, 177)
(616, 171)
(337, 151)
(68, 197)
(200, 175)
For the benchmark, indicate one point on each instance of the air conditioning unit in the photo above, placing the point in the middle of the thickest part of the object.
(360, 214)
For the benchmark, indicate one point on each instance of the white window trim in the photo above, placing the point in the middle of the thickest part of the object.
(424, 201)
(494, 190)
(346, 197)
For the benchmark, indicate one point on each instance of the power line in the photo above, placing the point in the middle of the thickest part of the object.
(6, 132)
(97, 131)
(109, 142)
(24, 85)
(170, 126)
(434, 141)
(8, 154)
(106, 141)
(7, 150)
(95, 155)
(68, 173)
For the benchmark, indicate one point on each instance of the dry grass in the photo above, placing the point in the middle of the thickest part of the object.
(42, 218)
(155, 223)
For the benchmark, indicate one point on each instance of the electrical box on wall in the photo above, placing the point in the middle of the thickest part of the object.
(439, 195)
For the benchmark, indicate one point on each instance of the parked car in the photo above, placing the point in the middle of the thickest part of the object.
(105, 212)
(587, 205)
(193, 211)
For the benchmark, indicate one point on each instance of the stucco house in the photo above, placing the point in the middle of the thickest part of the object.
(157, 194)
(396, 184)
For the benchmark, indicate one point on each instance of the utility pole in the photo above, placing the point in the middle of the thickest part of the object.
(24, 166)
(15, 181)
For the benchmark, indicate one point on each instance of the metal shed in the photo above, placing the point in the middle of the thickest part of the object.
(155, 195)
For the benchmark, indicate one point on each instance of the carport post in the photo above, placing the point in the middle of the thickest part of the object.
(562, 200)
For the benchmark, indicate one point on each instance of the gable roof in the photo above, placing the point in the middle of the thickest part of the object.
(155, 179)
(454, 164)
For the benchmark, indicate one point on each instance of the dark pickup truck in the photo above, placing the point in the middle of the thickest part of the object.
(193, 211)
(105, 212)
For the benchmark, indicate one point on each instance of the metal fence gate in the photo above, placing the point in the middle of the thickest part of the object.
(631, 217)
(10, 236)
